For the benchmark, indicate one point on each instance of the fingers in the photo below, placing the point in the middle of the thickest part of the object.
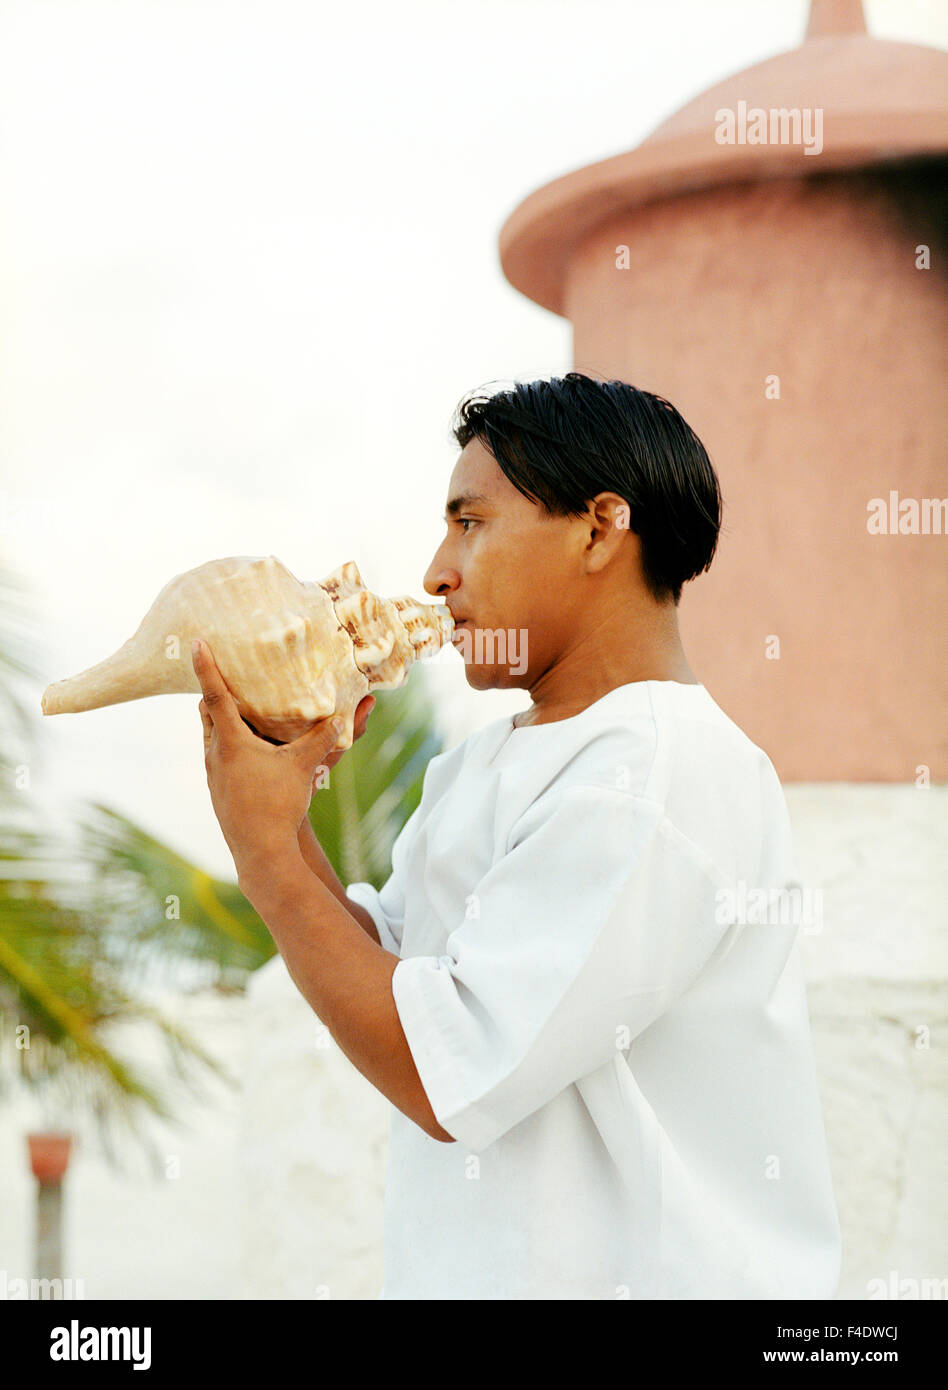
(218, 701)
(313, 747)
(366, 706)
(208, 726)
(363, 710)
(218, 709)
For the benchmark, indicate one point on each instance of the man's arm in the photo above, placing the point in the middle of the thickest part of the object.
(344, 976)
(261, 795)
(315, 859)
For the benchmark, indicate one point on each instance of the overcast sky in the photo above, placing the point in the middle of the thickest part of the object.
(249, 268)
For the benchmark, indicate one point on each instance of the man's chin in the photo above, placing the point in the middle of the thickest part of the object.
(479, 677)
(485, 677)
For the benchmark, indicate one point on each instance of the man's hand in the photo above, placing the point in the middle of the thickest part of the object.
(260, 791)
(363, 710)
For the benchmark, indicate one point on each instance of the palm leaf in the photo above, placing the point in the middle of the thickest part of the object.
(165, 910)
(64, 982)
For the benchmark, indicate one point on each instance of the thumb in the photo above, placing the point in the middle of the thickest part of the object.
(318, 741)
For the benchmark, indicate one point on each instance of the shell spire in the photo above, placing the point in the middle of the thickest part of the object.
(292, 653)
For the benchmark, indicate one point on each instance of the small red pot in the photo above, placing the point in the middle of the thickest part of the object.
(49, 1155)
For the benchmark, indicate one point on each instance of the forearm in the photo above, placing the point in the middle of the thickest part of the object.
(315, 859)
(344, 976)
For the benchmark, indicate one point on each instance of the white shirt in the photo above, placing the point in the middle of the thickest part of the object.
(617, 1040)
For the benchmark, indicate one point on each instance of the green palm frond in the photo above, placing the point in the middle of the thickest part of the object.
(64, 993)
(162, 911)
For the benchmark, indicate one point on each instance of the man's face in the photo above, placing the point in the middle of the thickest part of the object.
(509, 570)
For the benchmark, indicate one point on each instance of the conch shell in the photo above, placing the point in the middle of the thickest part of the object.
(292, 653)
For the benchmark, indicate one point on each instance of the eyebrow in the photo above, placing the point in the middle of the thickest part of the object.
(465, 499)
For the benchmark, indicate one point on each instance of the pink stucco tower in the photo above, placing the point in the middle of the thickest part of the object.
(772, 260)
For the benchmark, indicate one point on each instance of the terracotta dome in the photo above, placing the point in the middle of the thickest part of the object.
(881, 101)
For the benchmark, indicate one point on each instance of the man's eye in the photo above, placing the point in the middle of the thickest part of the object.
(466, 521)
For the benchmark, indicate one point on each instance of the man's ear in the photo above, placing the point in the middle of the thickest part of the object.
(607, 517)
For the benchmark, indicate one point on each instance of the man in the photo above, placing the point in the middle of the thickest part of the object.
(600, 1062)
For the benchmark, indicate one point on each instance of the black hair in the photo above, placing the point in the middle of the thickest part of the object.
(563, 441)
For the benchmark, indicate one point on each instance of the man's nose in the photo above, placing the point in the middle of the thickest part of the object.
(439, 577)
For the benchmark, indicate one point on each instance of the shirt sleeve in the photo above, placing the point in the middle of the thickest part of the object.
(597, 917)
(386, 905)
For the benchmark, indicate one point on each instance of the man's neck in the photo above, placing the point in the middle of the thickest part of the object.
(594, 666)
